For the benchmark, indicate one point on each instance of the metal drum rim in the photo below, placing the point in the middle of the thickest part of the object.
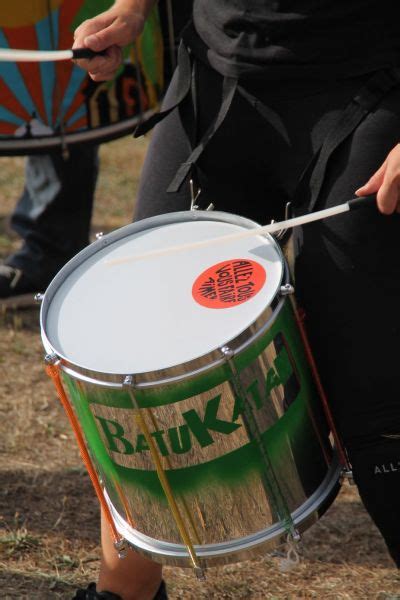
(115, 380)
(242, 548)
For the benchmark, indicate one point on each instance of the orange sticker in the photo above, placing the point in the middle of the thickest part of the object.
(229, 283)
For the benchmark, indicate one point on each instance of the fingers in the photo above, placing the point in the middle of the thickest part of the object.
(374, 183)
(108, 31)
(114, 27)
(387, 198)
(90, 27)
(119, 33)
(388, 194)
(103, 68)
(386, 183)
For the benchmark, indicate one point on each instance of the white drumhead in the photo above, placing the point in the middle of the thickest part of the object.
(160, 312)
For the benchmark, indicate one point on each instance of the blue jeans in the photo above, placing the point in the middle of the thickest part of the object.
(54, 212)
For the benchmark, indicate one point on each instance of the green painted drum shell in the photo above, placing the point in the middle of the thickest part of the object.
(243, 449)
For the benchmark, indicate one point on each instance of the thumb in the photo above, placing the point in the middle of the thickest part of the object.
(374, 183)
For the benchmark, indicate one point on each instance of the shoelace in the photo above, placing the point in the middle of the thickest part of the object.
(11, 273)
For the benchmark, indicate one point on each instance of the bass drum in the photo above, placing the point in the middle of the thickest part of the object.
(53, 105)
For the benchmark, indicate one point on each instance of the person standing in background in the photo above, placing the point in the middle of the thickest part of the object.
(52, 217)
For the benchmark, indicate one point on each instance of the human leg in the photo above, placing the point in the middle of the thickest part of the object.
(232, 176)
(347, 275)
(169, 147)
(52, 216)
(133, 577)
(347, 279)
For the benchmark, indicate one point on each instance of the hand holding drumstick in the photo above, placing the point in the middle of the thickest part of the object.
(109, 32)
(385, 182)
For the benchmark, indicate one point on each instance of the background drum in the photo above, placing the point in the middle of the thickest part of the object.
(190, 390)
(50, 105)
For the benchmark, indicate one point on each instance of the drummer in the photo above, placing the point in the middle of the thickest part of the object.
(277, 102)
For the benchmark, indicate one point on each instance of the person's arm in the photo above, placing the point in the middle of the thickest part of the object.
(110, 31)
(385, 182)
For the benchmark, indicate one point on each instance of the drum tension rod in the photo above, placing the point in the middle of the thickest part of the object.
(129, 385)
(52, 363)
(288, 215)
(279, 504)
(193, 197)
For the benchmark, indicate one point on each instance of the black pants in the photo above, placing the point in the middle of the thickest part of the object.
(54, 212)
(347, 267)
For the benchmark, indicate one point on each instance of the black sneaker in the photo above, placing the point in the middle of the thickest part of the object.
(162, 592)
(91, 594)
(16, 289)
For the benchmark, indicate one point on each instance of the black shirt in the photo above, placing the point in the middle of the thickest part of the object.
(296, 38)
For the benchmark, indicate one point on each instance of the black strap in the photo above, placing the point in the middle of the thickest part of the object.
(266, 112)
(183, 73)
(228, 92)
(359, 107)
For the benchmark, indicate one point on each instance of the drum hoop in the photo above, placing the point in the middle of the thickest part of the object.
(186, 370)
(173, 379)
(243, 547)
(99, 135)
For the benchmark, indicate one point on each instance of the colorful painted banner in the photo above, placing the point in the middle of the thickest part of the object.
(47, 105)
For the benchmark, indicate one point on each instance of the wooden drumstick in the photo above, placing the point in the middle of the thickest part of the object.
(355, 203)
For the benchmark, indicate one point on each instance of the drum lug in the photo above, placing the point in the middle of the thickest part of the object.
(38, 298)
(51, 359)
(129, 385)
(101, 239)
(227, 352)
(347, 475)
(286, 289)
(128, 382)
(121, 547)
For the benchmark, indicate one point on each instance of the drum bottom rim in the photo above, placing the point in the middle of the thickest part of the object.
(242, 548)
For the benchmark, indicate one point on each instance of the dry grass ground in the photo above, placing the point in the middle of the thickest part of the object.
(48, 513)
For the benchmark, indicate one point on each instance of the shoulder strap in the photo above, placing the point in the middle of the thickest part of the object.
(228, 92)
(184, 73)
(355, 112)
